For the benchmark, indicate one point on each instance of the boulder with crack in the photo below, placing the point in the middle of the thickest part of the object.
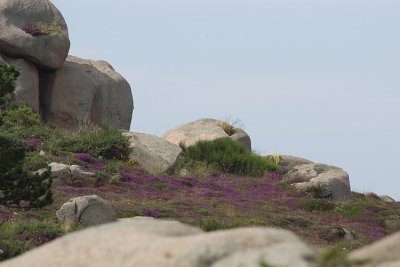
(86, 211)
(322, 180)
(34, 30)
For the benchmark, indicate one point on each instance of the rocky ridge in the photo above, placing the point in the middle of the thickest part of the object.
(67, 92)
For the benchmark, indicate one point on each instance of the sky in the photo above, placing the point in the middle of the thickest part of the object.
(315, 79)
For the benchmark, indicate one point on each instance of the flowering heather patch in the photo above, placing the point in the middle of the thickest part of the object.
(32, 144)
(227, 200)
(94, 163)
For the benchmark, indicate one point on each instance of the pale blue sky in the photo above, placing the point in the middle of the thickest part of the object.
(316, 79)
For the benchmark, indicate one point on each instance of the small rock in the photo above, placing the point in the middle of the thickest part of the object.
(60, 173)
(1, 252)
(387, 199)
(80, 177)
(40, 171)
(393, 224)
(42, 153)
(86, 211)
(323, 180)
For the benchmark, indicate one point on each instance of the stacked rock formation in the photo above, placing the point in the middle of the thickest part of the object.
(66, 91)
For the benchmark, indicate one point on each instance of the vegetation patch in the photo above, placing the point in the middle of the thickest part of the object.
(317, 205)
(225, 156)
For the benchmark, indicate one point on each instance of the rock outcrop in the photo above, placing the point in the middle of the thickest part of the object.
(73, 175)
(146, 242)
(27, 84)
(84, 91)
(288, 162)
(323, 180)
(67, 92)
(34, 30)
(152, 153)
(206, 129)
(383, 253)
(86, 211)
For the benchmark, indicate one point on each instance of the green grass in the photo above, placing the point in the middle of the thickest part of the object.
(159, 186)
(317, 205)
(17, 236)
(349, 210)
(226, 156)
(211, 224)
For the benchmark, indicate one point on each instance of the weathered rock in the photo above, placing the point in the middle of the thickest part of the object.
(159, 227)
(73, 175)
(289, 162)
(48, 51)
(86, 211)
(204, 129)
(336, 234)
(152, 153)
(393, 224)
(27, 84)
(85, 91)
(387, 199)
(60, 172)
(383, 253)
(281, 254)
(323, 180)
(80, 177)
(159, 243)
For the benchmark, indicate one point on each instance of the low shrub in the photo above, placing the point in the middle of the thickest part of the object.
(228, 128)
(211, 224)
(106, 143)
(225, 156)
(34, 161)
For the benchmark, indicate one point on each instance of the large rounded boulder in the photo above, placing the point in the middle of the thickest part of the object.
(27, 84)
(322, 180)
(34, 30)
(152, 153)
(85, 91)
(154, 243)
(206, 130)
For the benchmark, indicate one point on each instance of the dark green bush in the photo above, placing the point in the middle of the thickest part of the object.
(226, 156)
(8, 77)
(21, 123)
(18, 187)
(316, 205)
